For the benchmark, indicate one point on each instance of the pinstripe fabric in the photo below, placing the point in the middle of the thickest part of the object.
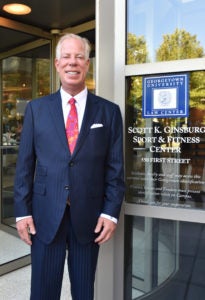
(47, 174)
(48, 265)
(82, 261)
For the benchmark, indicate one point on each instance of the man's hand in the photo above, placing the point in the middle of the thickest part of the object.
(25, 228)
(106, 229)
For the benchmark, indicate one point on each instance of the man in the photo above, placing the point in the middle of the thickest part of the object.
(68, 193)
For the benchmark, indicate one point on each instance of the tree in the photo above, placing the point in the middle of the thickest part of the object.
(136, 53)
(182, 45)
(136, 49)
(179, 45)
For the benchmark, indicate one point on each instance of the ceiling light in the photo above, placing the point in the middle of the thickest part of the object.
(17, 9)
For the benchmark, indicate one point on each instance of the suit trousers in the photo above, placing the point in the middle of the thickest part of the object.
(48, 265)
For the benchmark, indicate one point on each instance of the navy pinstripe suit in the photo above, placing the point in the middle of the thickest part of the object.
(47, 175)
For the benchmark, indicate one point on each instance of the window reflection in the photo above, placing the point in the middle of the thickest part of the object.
(16, 92)
(165, 156)
(24, 76)
(164, 30)
(164, 259)
(154, 254)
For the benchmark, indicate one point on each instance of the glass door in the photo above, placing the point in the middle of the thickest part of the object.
(24, 76)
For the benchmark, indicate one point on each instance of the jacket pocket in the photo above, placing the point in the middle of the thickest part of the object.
(41, 170)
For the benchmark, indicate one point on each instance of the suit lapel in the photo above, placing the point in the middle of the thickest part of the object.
(88, 119)
(55, 107)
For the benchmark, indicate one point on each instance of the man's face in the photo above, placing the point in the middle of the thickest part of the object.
(72, 66)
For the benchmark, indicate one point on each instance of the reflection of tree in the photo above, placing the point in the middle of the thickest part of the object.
(24, 78)
(197, 90)
(134, 86)
(136, 53)
(43, 73)
(136, 49)
(182, 45)
(179, 45)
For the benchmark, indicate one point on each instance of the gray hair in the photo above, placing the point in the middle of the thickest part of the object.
(67, 36)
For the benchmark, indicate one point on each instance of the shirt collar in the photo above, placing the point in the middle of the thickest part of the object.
(80, 98)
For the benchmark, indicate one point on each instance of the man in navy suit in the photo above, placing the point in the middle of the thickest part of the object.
(67, 200)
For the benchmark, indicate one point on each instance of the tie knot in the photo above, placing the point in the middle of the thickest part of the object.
(72, 101)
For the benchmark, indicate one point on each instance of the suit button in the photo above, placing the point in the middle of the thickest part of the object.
(66, 187)
(71, 164)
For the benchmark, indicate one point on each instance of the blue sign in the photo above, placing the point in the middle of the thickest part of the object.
(165, 96)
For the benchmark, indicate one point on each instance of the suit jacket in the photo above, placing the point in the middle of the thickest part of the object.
(47, 174)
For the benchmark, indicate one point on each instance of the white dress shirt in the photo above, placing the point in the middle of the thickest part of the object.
(80, 106)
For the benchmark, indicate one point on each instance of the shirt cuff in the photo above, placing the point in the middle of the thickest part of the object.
(109, 218)
(21, 218)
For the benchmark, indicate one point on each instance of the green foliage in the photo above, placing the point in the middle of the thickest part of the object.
(136, 49)
(179, 45)
(182, 45)
(197, 89)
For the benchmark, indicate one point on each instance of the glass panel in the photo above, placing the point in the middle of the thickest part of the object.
(24, 76)
(165, 156)
(164, 259)
(164, 30)
(90, 78)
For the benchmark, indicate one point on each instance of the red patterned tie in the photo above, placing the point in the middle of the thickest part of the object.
(72, 125)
